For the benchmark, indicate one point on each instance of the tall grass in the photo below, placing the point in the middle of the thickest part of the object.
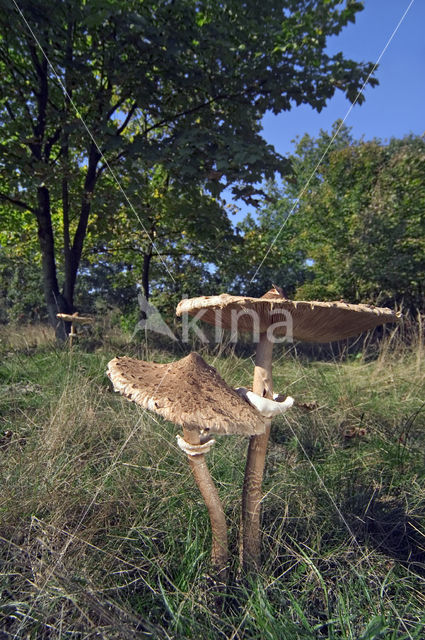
(103, 532)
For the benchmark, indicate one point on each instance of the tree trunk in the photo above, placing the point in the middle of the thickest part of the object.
(147, 258)
(73, 256)
(55, 302)
(65, 163)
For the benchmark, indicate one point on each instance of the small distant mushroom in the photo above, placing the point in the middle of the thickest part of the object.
(74, 319)
(191, 393)
(270, 318)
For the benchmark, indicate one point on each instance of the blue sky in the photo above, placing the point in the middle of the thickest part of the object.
(392, 109)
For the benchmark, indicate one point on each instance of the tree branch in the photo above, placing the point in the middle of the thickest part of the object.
(165, 254)
(114, 108)
(200, 106)
(101, 170)
(9, 110)
(119, 132)
(50, 142)
(127, 119)
(17, 202)
(38, 66)
(177, 116)
(25, 105)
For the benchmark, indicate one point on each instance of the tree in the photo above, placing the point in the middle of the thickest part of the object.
(284, 261)
(389, 265)
(178, 222)
(361, 222)
(94, 87)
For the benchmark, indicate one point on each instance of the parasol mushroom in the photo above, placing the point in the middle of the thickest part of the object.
(272, 318)
(191, 393)
(74, 319)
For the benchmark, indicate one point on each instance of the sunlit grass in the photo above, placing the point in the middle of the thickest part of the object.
(103, 531)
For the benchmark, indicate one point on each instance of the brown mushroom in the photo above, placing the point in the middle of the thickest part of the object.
(192, 394)
(270, 318)
(74, 319)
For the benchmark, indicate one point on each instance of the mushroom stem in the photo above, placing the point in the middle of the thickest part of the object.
(219, 547)
(252, 494)
(72, 334)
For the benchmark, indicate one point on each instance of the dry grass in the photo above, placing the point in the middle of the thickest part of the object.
(28, 337)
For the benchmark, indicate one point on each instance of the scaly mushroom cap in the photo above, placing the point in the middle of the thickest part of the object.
(188, 392)
(311, 321)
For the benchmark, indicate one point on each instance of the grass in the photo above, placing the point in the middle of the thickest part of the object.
(103, 532)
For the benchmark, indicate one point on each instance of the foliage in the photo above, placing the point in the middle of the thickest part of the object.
(182, 229)
(99, 89)
(20, 288)
(284, 264)
(360, 221)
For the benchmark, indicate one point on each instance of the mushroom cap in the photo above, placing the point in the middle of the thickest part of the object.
(75, 318)
(311, 321)
(189, 392)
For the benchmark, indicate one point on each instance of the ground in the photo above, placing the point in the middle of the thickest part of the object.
(103, 533)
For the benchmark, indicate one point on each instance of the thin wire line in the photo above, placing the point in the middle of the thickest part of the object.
(282, 413)
(364, 555)
(112, 172)
(303, 190)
